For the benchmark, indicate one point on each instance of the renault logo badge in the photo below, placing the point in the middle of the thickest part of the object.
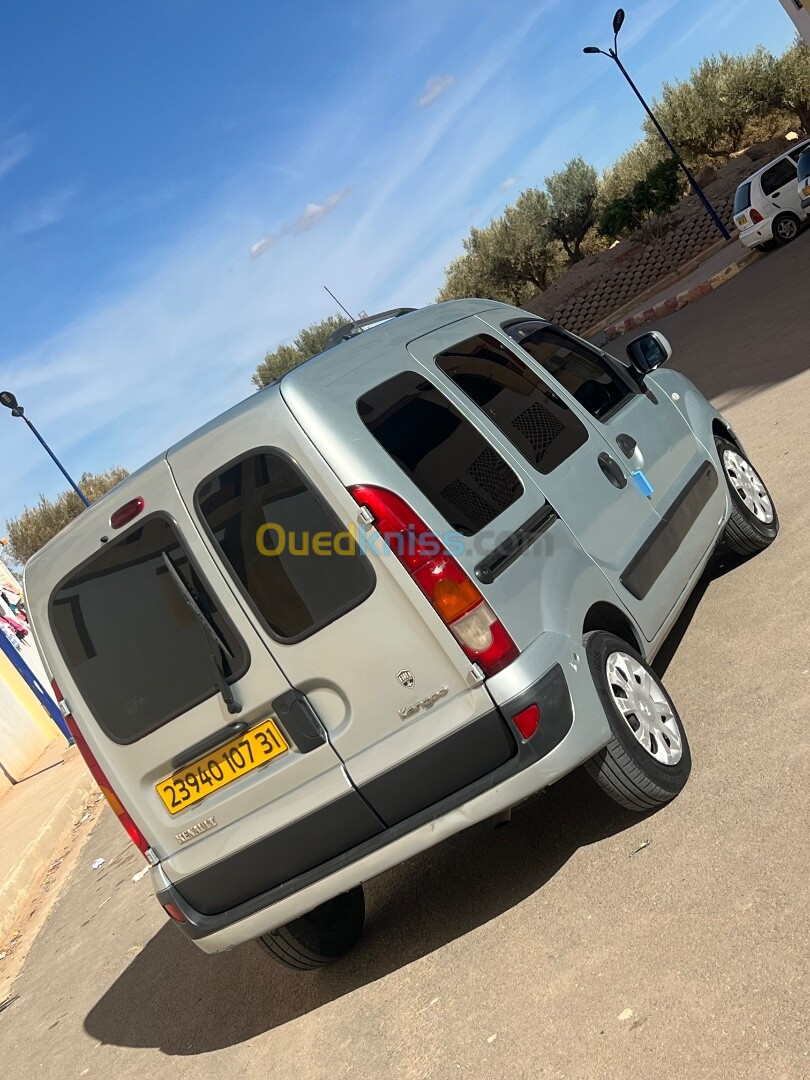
(405, 677)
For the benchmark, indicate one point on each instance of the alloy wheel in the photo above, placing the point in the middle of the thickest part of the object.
(644, 706)
(746, 482)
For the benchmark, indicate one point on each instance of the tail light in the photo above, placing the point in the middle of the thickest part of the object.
(134, 833)
(756, 217)
(455, 597)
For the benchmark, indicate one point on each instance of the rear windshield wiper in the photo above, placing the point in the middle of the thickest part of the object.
(211, 636)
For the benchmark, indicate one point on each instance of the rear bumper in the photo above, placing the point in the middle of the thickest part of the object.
(572, 729)
(757, 234)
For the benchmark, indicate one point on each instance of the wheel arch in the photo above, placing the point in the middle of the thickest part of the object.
(721, 428)
(606, 616)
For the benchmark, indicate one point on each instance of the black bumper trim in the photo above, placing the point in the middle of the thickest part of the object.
(556, 716)
(651, 559)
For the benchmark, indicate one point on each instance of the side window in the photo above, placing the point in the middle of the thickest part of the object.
(778, 175)
(447, 458)
(293, 558)
(534, 419)
(599, 386)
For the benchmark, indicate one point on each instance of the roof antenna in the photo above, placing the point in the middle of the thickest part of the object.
(353, 320)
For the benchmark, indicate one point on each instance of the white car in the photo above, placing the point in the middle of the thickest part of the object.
(803, 171)
(768, 209)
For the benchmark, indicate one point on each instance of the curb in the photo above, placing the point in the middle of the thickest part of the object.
(39, 855)
(679, 300)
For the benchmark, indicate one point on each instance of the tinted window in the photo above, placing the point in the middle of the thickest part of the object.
(597, 384)
(797, 151)
(518, 402)
(742, 200)
(778, 175)
(136, 652)
(301, 572)
(803, 167)
(447, 458)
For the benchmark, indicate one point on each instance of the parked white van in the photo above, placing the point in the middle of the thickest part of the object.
(768, 209)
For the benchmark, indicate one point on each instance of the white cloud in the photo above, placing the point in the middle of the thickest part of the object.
(504, 185)
(39, 213)
(13, 151)
(261, 245)
(434, 88)
(315, 212)
(309, 216)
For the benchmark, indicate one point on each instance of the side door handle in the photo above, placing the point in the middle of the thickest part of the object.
(612, 470)
(627, 444)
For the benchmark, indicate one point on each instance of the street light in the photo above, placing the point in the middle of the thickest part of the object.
(613, 54)
(10, 402)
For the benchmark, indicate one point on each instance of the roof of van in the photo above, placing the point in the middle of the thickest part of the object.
(804, 143)
(395, 333)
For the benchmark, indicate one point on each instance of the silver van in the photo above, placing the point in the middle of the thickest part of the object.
(412, 583)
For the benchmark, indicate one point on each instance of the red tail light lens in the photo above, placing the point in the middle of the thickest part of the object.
(132, 830)
(174, 912)
(527, 721)
(126, 513)
(756, 217)
(453, 594)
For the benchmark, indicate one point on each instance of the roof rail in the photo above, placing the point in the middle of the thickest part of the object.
(352, 329)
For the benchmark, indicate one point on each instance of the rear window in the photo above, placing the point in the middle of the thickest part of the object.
(742, 200)
(803, 168)
(528, 412)
(138, 655)
(295, 561)
(445, 456)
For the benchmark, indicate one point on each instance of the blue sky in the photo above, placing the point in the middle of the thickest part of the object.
(179, 179)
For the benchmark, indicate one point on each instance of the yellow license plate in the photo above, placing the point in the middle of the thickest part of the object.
(806, 190)
(742, 221)
(228, 762)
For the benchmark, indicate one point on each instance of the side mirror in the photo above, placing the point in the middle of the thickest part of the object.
(648, 352)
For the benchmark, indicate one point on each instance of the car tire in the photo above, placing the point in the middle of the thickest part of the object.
(321, 936)
(647, 761)
(753, 523)
(785, 228)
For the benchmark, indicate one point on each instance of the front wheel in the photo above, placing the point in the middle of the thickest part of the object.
(753, 523)
(321, 936)
(647, 761)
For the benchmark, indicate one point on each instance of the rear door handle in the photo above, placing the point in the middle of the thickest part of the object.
(299, 720)
(612, 470)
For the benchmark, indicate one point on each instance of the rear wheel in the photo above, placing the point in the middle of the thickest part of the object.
(321, 936)
(647, 762)
(786, 228)
(753, 523)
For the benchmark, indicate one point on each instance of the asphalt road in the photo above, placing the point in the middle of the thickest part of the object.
(558, 946)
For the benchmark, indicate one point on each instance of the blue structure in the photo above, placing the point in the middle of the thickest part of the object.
(45, 700)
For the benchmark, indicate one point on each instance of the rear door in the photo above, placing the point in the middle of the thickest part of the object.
(570, 465)
(351, 632)
(140, 673)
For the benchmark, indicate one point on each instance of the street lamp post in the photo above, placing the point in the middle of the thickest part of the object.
(613, 54)
(10, 402)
